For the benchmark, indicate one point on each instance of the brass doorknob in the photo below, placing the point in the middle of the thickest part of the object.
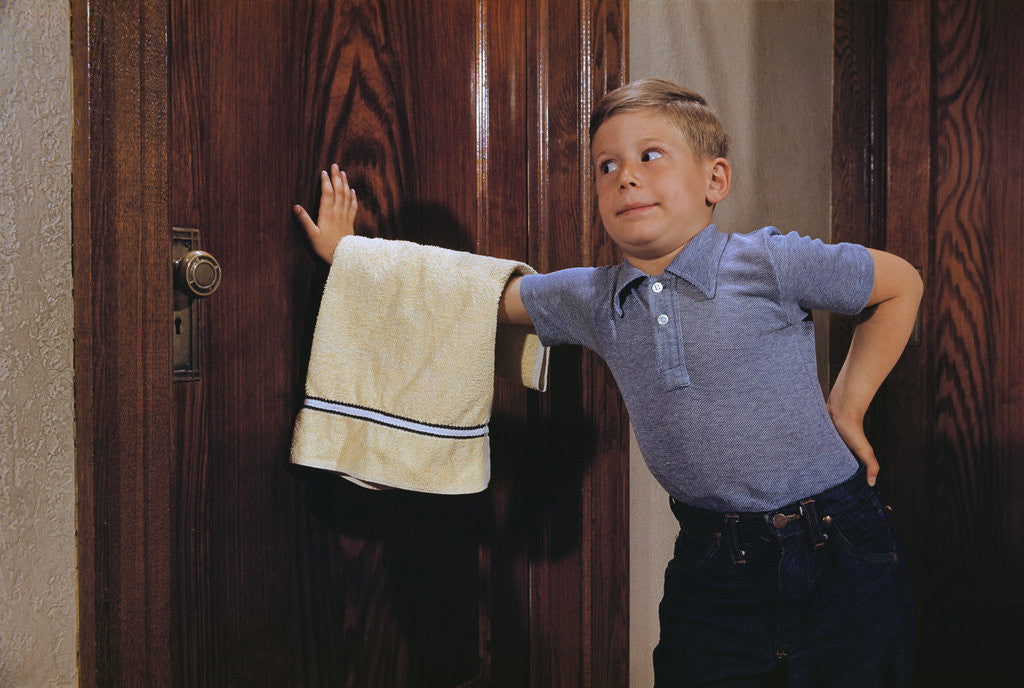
(197, 273)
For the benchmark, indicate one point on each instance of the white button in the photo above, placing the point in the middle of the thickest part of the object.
(662, 319)
(657, 287)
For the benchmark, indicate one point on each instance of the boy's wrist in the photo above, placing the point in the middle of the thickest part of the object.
(842, 411)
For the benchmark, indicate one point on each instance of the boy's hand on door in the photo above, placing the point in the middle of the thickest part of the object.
(336, 219)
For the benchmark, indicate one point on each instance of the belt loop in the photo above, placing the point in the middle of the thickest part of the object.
(738, 555)
(810, 514)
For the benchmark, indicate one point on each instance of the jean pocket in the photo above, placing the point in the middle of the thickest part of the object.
(866, 533)
(692, 552)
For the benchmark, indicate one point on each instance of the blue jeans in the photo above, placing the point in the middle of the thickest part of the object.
(813, 595)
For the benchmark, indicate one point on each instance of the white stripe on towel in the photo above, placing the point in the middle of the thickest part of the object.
(382, 418)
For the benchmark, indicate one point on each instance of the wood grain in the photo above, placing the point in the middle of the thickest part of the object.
(858, 155)
(902, 415)
(1008, 317)
(398, 586)
(978, 484)
(949, 422)
(606, 525)
(122, 344)
(964, 247)
(207, 558)
(583, 432)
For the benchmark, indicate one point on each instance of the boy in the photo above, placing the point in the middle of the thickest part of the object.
(786, 561)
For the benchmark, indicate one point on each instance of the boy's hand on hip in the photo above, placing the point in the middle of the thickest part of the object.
(878, 341)
(852, 432)
(336, 218)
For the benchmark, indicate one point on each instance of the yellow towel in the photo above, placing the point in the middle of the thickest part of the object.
(401, 373)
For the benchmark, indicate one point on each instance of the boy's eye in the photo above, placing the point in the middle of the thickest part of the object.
(607, 167)
(647, 156)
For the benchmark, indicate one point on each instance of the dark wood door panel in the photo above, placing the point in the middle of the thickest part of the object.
(214, 561)
(929, 100)
(299, 573)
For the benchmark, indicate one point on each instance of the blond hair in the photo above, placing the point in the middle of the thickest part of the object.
(685, 109)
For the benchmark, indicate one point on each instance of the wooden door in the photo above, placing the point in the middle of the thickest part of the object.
(930, 164)
(205, 558)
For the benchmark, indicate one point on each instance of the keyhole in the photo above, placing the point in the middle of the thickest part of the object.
(177, 326)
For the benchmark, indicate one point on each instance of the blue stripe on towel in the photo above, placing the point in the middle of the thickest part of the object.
(391, 420)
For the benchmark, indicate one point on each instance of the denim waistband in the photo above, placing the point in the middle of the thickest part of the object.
(810, 513)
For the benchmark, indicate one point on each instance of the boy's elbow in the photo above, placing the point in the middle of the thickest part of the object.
(913, 282)
(895, 278)
(918, 285)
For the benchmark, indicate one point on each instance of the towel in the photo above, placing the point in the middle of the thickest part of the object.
(401, 372)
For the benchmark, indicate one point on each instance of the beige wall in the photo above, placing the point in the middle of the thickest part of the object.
(766, 67)
(38, 608)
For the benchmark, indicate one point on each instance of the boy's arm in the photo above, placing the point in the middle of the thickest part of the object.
(510, 307)
(878, 341)
(337, 215)
(336, 220)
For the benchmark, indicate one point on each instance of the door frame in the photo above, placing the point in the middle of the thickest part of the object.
(123, 386)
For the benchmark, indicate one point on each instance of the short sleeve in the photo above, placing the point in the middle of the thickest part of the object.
(560, 305)
(814, 275)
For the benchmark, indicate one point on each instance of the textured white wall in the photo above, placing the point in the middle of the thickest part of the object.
(765, 66)
(38, 608)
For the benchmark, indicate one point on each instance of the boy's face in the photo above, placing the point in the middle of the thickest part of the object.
(653, 193)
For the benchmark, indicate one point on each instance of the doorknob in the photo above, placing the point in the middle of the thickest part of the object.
(197, 273)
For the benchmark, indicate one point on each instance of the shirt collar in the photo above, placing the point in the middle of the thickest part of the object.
(697, 263)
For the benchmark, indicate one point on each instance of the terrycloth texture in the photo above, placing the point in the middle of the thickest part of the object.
(401, 373)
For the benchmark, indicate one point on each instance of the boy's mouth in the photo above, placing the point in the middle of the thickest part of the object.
(634, 208)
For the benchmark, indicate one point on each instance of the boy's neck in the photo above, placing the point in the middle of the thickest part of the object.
(657, 265)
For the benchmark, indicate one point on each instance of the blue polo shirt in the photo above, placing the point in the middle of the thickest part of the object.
(715, 359)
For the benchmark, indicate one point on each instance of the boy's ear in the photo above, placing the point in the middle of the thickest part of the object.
(719, 178)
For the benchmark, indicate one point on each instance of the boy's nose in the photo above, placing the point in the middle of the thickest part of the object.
(627, 179)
